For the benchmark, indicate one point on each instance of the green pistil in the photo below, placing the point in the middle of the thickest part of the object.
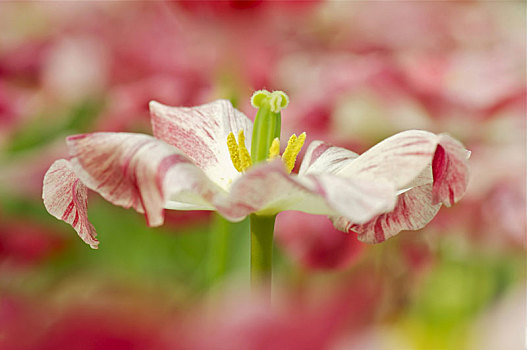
(267, 124)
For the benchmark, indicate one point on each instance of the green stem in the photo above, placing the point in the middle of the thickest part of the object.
(262, 230)
(218, 249)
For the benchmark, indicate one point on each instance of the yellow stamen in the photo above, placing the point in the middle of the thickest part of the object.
(241, 158)
(294, 145)
(274, 151)
(244, 155)
(233, 151)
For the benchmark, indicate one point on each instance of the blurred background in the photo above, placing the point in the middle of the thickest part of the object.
(356, 73)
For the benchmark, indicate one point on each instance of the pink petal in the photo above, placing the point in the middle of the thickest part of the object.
(414, 209)
(134, 170)
(450, 171)
(313, 241)
(322, 157)
(268, 189)
(399, 159)
(201, 134)
(66, 198)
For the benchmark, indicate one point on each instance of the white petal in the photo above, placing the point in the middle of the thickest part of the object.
(322, 157)
(267, 189)
(175, 205)
(399, 159)
(356, 199)
(201, 134)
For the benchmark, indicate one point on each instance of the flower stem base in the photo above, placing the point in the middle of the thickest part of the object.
(262, 230)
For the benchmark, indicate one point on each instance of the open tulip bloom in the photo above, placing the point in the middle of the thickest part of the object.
(199, 159)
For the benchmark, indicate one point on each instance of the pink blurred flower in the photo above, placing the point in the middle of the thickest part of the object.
(315, 243)
(89, 329)
(24, 244)
(309, 319)
(469, 81)
(75, 68)
(127, 105)
(118, 318)
(29, 325)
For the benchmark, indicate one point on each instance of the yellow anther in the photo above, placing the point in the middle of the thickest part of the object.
(300, 141)
(241, 158)
(294, 145)
(274, 150)
(241, 138)
(244, 155)
(233, 151)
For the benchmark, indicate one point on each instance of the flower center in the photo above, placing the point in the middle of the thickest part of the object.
(265, 145)
(241, 159)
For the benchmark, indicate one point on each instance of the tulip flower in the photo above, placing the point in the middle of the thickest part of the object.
(195, 162)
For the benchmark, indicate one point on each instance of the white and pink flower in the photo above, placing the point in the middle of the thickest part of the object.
(397, 185)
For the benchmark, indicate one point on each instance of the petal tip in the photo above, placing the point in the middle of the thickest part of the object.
(65, 198)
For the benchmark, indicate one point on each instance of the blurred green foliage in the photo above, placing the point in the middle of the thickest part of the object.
(46, 128)
(458, 289)
(171, 257)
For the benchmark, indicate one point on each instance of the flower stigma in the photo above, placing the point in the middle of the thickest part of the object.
(277, 100)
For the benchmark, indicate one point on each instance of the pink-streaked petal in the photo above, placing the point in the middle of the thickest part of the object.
(139, 171)
(201, 134)
(66, 198)
(450, 171)
(322, 157)
(268, 189)
(399, 159)
(414, 209)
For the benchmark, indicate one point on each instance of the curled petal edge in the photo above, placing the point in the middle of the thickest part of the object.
(418, 205)
(413, 211)
(66, 198)
(450, 171)
(401, 158)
